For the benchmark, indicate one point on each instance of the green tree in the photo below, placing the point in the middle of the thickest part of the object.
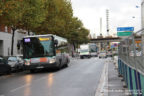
(77, 33)
(60, 21)
(11, 15)
(26, 14)
(34, 14)
(58, 16)
(83, 36)
(43, 17)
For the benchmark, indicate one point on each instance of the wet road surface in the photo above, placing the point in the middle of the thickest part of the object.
(81, 78)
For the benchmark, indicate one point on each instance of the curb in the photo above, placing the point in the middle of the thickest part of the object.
(103, 83)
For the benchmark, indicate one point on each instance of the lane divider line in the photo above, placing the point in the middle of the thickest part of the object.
(103, 82)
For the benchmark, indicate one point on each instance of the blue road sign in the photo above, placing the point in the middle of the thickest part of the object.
(124, 29)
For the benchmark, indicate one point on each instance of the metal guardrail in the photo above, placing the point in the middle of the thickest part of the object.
(131, 51)
(131, 58)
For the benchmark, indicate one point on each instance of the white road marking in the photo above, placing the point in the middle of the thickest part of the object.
(103, 83)
(2, 95)
(26, 85)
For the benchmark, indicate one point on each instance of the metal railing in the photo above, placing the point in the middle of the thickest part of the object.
(131, 51)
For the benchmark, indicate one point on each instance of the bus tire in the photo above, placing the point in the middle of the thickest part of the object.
(66, 65)
(81, 57)
(59, 66)
(32, 70)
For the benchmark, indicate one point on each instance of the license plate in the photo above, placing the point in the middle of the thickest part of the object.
(39, 67)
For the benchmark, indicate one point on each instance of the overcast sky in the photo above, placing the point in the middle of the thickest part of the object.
(121, 13)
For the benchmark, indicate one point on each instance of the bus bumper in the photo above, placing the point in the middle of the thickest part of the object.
(40, 66)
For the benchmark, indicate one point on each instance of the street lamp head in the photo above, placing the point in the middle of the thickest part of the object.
(133, 17)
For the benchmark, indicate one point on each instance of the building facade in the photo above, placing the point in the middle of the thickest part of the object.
(6, 41)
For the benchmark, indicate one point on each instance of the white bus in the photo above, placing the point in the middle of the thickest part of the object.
(45, 51)
(93, 49)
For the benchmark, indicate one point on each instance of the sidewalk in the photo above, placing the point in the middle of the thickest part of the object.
(110, 83)
(115, 85)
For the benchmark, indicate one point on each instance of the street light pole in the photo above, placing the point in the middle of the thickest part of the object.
(142, 25)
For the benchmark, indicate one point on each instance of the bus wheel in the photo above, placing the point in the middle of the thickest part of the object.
(59, 67)
(32, 70)
(89, 56)
(81, 57)
(66, 65)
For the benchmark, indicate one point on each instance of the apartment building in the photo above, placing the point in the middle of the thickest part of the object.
(6, 40)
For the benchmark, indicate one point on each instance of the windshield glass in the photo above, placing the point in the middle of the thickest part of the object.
(1, 60)
(93, 48)
(84, 50)
(38, 47)
(12, 58)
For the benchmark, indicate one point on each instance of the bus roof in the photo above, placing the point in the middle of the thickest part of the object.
(57, 37)
(38, 35)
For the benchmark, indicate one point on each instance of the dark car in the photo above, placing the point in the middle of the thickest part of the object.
(16, 63)
(4, 67)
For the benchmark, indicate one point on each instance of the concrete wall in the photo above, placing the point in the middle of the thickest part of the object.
(1, 47)
(18, 36)
(6, 38)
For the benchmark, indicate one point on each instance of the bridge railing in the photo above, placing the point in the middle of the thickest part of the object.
(131, 62)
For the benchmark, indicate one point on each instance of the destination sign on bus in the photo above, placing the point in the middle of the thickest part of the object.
(26, 40)
(44, 39)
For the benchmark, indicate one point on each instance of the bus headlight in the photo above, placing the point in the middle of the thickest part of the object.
(53, 60)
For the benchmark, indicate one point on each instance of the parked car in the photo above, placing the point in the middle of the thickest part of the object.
(4, 67)
(21, 61)
(115, 53)
(109, 54)
(16, 63)
(102, 55)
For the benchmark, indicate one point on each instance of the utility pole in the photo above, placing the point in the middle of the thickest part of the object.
(107, 21)
(142, 25)
(100, 26)
(101, 44)
(107, 27)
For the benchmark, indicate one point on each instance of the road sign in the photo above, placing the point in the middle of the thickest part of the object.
(125, 29)
(124, 33)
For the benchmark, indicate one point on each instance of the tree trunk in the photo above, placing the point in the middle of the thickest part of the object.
(74, 45)
(12, 43)
(28, 32)
(73, 49)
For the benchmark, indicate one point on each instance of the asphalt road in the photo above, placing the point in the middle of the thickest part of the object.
(81, 78)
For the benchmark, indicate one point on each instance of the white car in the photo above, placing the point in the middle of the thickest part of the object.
(102, 55)
(16, 63)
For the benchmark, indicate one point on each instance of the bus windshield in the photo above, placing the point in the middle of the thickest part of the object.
(84, 50)
(38, 47)
(93, 48)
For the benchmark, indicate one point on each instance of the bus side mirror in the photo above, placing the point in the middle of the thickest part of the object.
(55, 42)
